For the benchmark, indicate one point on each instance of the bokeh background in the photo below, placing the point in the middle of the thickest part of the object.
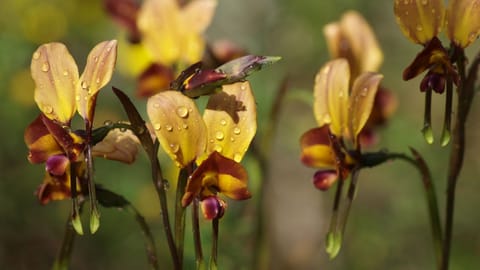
(388, 227)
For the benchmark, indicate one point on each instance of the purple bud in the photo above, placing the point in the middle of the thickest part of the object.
(213, 207)
(324, 179)
(56, 165)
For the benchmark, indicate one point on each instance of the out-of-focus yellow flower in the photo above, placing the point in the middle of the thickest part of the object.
(216, 143)
(353, 39)
(341, 115)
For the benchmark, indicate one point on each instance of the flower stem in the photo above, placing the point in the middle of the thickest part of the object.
(180, 212)
(213, 257)
(427, 119)
(196, 236)
(448, 115)
(63, 258)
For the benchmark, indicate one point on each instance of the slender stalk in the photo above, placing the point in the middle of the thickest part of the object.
(94, 213)
(63, 258)
(196, 236)
(75, 217)
(180, 212)
(448, 114)
(213, 257)
(427, 119)
(352, 189)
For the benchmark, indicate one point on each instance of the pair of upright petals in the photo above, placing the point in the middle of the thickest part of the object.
(216, 142)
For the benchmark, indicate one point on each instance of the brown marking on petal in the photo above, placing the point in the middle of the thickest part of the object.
(433, 55)
(41, 144)
(154, 79)
(125, 13)
(53, 188)
(71, 143)
(316, 149)
(463, 21)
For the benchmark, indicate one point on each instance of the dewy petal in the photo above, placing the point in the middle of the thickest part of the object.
(316, 149)
(365, 51)
(420, 20)
(361, 101)
(97, 73)
(118, 145)
(217, 174)
(463, 21)
(178, 126)
(41, 144)
(56, 75)
(231, 120)
(333, 84)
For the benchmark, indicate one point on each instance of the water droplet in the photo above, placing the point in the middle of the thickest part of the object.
(123, 129)
(219, 135)
(36, 55)
(237, 157)
(168, 127)
(340, 94)
(65, 73)
(424, 2)
(242, 87)
(472, 36)
(157, 126)
(182, 112)
(108, 123)
(218, 148)
(166, 184)
(232, 139)
(77, 97)
(185, 126)
(175, 147)
(109, 49)
(98, 81)
(48, 109)
(237, 131)
(326, 118)
(95, 59)
(45, 67)
(223, 122)
(156, 105)
(364, 92)
(84, 85)
(140, 130)
(211, 141)
(419, 28)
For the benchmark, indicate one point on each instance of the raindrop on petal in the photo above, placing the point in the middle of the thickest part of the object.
(157, 126)
(45, 67)
(237, 131)
(175, 147)
(168, 127)
(219, 135)
(223, 122)
(36, 55)
(108, 123)
(218, 148)
(237, 157)
(182, 112)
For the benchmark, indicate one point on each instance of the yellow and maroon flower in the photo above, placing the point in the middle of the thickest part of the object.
(216, 143)
(59, 93)
(341, 115)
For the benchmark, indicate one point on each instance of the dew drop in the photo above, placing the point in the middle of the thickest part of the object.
(232, 139)
(108, 123)
(237, 131)
(166, 184)
(242, 87)
(95, 59)
(175, 147)
(223, 122)
(185, 126)
(48, 109)
(36, 55)
(419, 28)
(340, 94)
(364, 92)
(237, 157)
(157, 126)
(219, 135)
(326, 118)
(98, 81)
(424, 2)
(65, 73)
(123, 129)
(77, 97)
(211, 141)
(84, 85)
(218, 148)
(156, 105)
(182, 112)
(168, 127)
(45, 67)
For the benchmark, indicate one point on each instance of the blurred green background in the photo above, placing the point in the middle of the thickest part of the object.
(388, 226)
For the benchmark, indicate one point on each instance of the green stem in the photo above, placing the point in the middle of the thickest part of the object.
(448, 114)
(180, 212)
(352, 189)
(427, 119)
(63, 258)
(214, 255)
(196, 236)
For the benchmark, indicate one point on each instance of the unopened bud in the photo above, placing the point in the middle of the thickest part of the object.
(213, 207)
(324, 179)
(56, 165)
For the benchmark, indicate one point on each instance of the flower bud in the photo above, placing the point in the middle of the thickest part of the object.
(324, 179)
(213, 207)
(57, 164)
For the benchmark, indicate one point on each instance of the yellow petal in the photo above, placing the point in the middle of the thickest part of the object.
(420, 20)
(159, 22)
(365, 51)
(56, 75)
(97, 73)
(231, 120)
(361, 101)
(178, 126)
(463, 18)
(118, 145)
(331, 95)
(198, 14)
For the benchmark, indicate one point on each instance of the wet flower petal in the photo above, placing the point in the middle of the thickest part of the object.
(231, 120)
(178, 126)
(98, 72)
(118, 145)
(331, 95)
(420, 20)
(463, 21)
(316, 149)
(41, 144)
(56, 75)
(361, 101)
(217, 174)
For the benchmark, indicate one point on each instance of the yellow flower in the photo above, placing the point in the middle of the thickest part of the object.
(216, 142)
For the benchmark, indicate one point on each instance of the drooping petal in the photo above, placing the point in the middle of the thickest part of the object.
(231, 120)
(420, 20)
(41, 144)
(56, 75)
(316, 149)
(366, 53)
(71, 143)
(97, 73)
(54, 188)
(463, 21)
(178, 126)
(217, 174)
(118, 145)
(332, 84)
(361, 101)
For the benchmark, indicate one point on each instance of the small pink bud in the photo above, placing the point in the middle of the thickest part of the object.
(324, 179)
(56, 165)
(213, 207)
